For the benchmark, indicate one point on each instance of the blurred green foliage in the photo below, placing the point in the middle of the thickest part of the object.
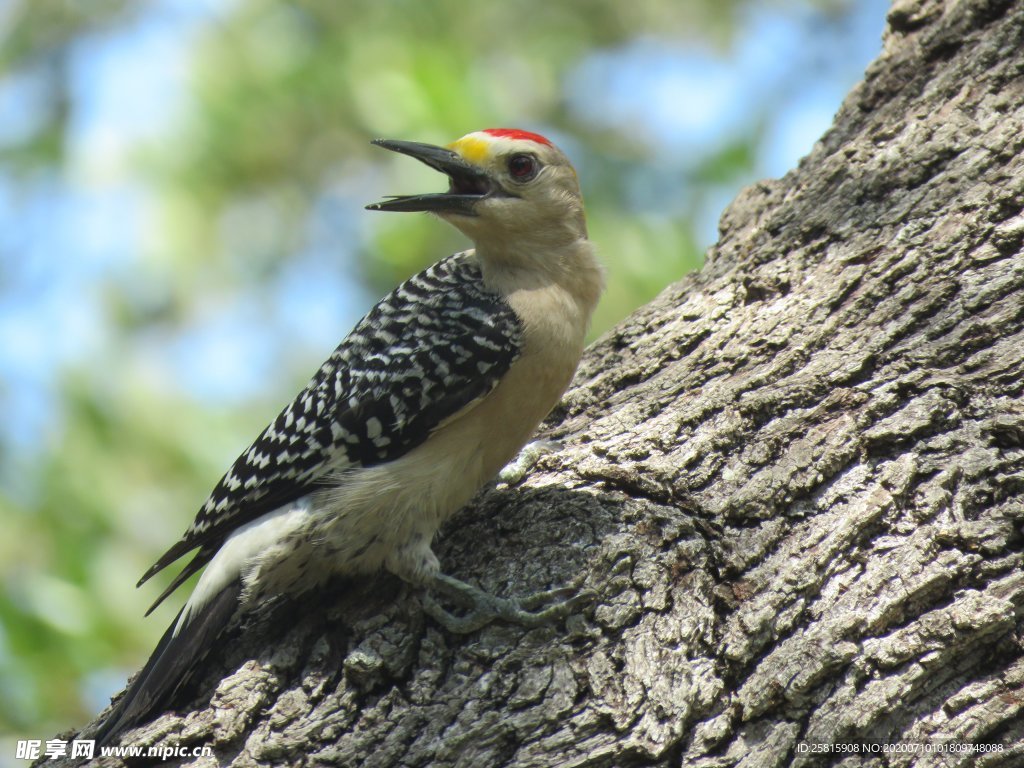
(283, 98)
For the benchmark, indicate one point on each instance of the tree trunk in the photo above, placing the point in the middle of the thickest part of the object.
(793, 481)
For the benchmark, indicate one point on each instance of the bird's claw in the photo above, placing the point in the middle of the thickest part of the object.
(483, 608)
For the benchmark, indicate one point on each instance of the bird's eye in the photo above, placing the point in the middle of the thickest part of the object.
(523, 167)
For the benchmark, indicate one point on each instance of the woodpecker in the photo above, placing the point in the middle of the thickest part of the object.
(435, 390)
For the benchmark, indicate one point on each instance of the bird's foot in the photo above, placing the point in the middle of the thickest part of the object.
(483, 608)
(531, 453)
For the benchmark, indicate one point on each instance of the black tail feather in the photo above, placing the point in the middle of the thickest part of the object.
(171, 665)
(202, 557)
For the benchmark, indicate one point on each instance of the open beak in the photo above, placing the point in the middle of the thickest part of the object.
(468, 185)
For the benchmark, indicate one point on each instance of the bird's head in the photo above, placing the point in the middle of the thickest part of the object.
(504, 185)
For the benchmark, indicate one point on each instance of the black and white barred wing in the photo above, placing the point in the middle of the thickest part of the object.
(434, 346)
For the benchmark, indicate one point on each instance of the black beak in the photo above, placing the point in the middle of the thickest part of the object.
(468, 184)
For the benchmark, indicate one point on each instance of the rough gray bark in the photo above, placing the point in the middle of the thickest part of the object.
(793, 480)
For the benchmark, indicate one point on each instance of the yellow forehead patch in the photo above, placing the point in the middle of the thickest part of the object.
(473, 148)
